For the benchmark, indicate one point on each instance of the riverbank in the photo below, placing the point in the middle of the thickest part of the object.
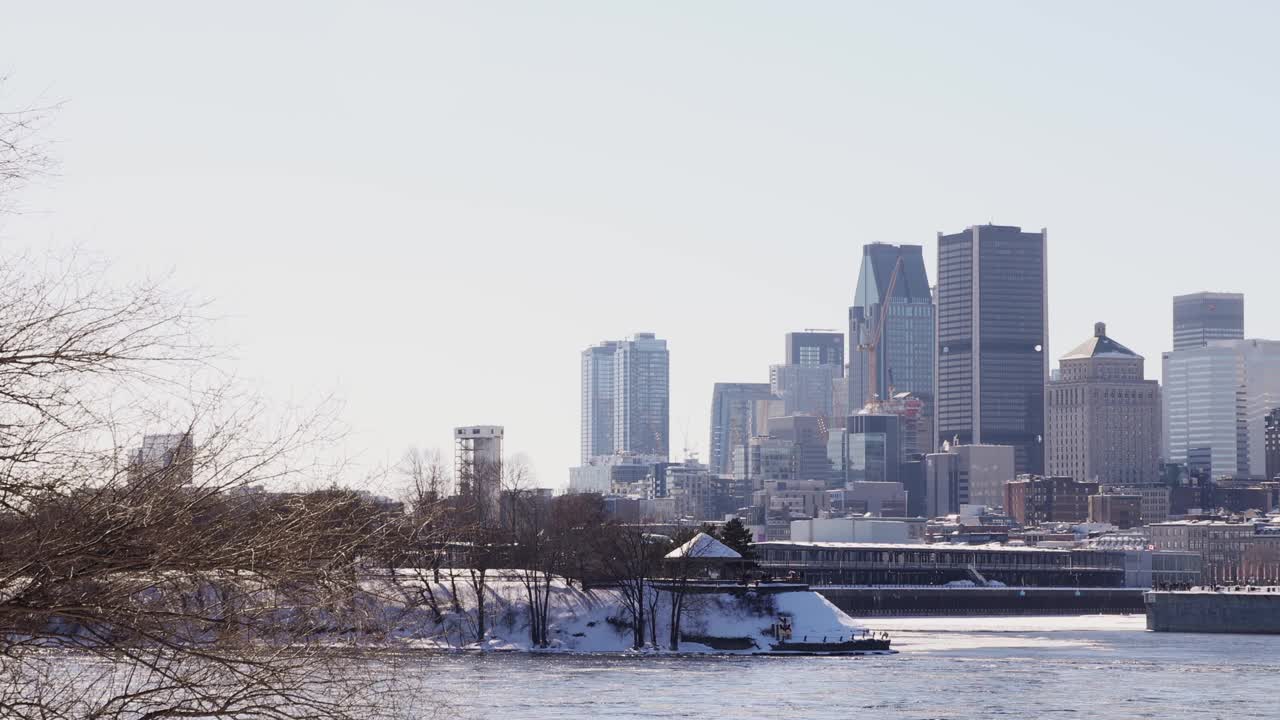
(414, 610)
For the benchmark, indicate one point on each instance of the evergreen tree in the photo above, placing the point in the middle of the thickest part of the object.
(736, 535)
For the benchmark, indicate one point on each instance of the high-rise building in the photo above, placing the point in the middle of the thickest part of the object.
(993, 340)
(1104, 417)
(815, 347)
(642, 396)
(904, 351)
(1201, 317)
(626, 397)
(1216, 399)
(597, 400)
(735, 419)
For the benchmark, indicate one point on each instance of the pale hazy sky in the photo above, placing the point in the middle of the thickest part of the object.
(429, 209)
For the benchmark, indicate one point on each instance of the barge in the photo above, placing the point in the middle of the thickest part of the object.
(1250, 609)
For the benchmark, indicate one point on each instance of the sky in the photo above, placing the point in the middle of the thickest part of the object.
(427, 210)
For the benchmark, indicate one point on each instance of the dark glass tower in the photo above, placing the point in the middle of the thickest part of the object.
(905, 352)
(993, 340)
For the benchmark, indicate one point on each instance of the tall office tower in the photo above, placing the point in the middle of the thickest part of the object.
(993, 340)
(904, 350)
(642, 396)
(597, 400)
(477, 466)
(734, 421)
(1216, 399)
(1104, 417)
(816, 347)
(1204, 316)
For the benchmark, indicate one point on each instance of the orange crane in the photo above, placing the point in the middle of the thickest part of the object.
(870, 347)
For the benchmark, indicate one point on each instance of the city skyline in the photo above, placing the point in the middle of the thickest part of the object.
(741, 198)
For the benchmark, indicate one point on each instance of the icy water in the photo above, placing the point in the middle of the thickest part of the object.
(1075, 667)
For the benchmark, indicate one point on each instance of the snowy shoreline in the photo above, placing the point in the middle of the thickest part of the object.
(413, 611)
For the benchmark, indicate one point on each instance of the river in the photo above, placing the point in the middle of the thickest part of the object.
(954, 668)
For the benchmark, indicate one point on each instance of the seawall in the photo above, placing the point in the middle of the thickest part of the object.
(879, 601)
(1214, 612)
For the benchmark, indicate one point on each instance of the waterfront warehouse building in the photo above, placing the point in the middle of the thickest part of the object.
(853, 563)
(993, 340)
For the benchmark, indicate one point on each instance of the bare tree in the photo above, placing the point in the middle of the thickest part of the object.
(631, 556)
(195, 594)
(23, 153)
(538, 548)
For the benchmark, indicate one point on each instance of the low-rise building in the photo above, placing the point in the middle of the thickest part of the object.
(877, 498)
(1032, 500)
(1122, 511)
(843, 563)
(1232, 552)
(852, 529)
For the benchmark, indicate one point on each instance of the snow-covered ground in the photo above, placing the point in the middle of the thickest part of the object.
(590, 622)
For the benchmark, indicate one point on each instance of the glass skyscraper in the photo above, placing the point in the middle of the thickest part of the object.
(905, 352)
(993, 340)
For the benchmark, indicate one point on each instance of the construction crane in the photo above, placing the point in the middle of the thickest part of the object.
(871, 347)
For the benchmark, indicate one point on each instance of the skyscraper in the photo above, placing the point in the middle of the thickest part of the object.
(904, 353)
(992, 340)
(734, 421)
(1216, 399)
(1104, 417)
(597, 400)
(1204, 316)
